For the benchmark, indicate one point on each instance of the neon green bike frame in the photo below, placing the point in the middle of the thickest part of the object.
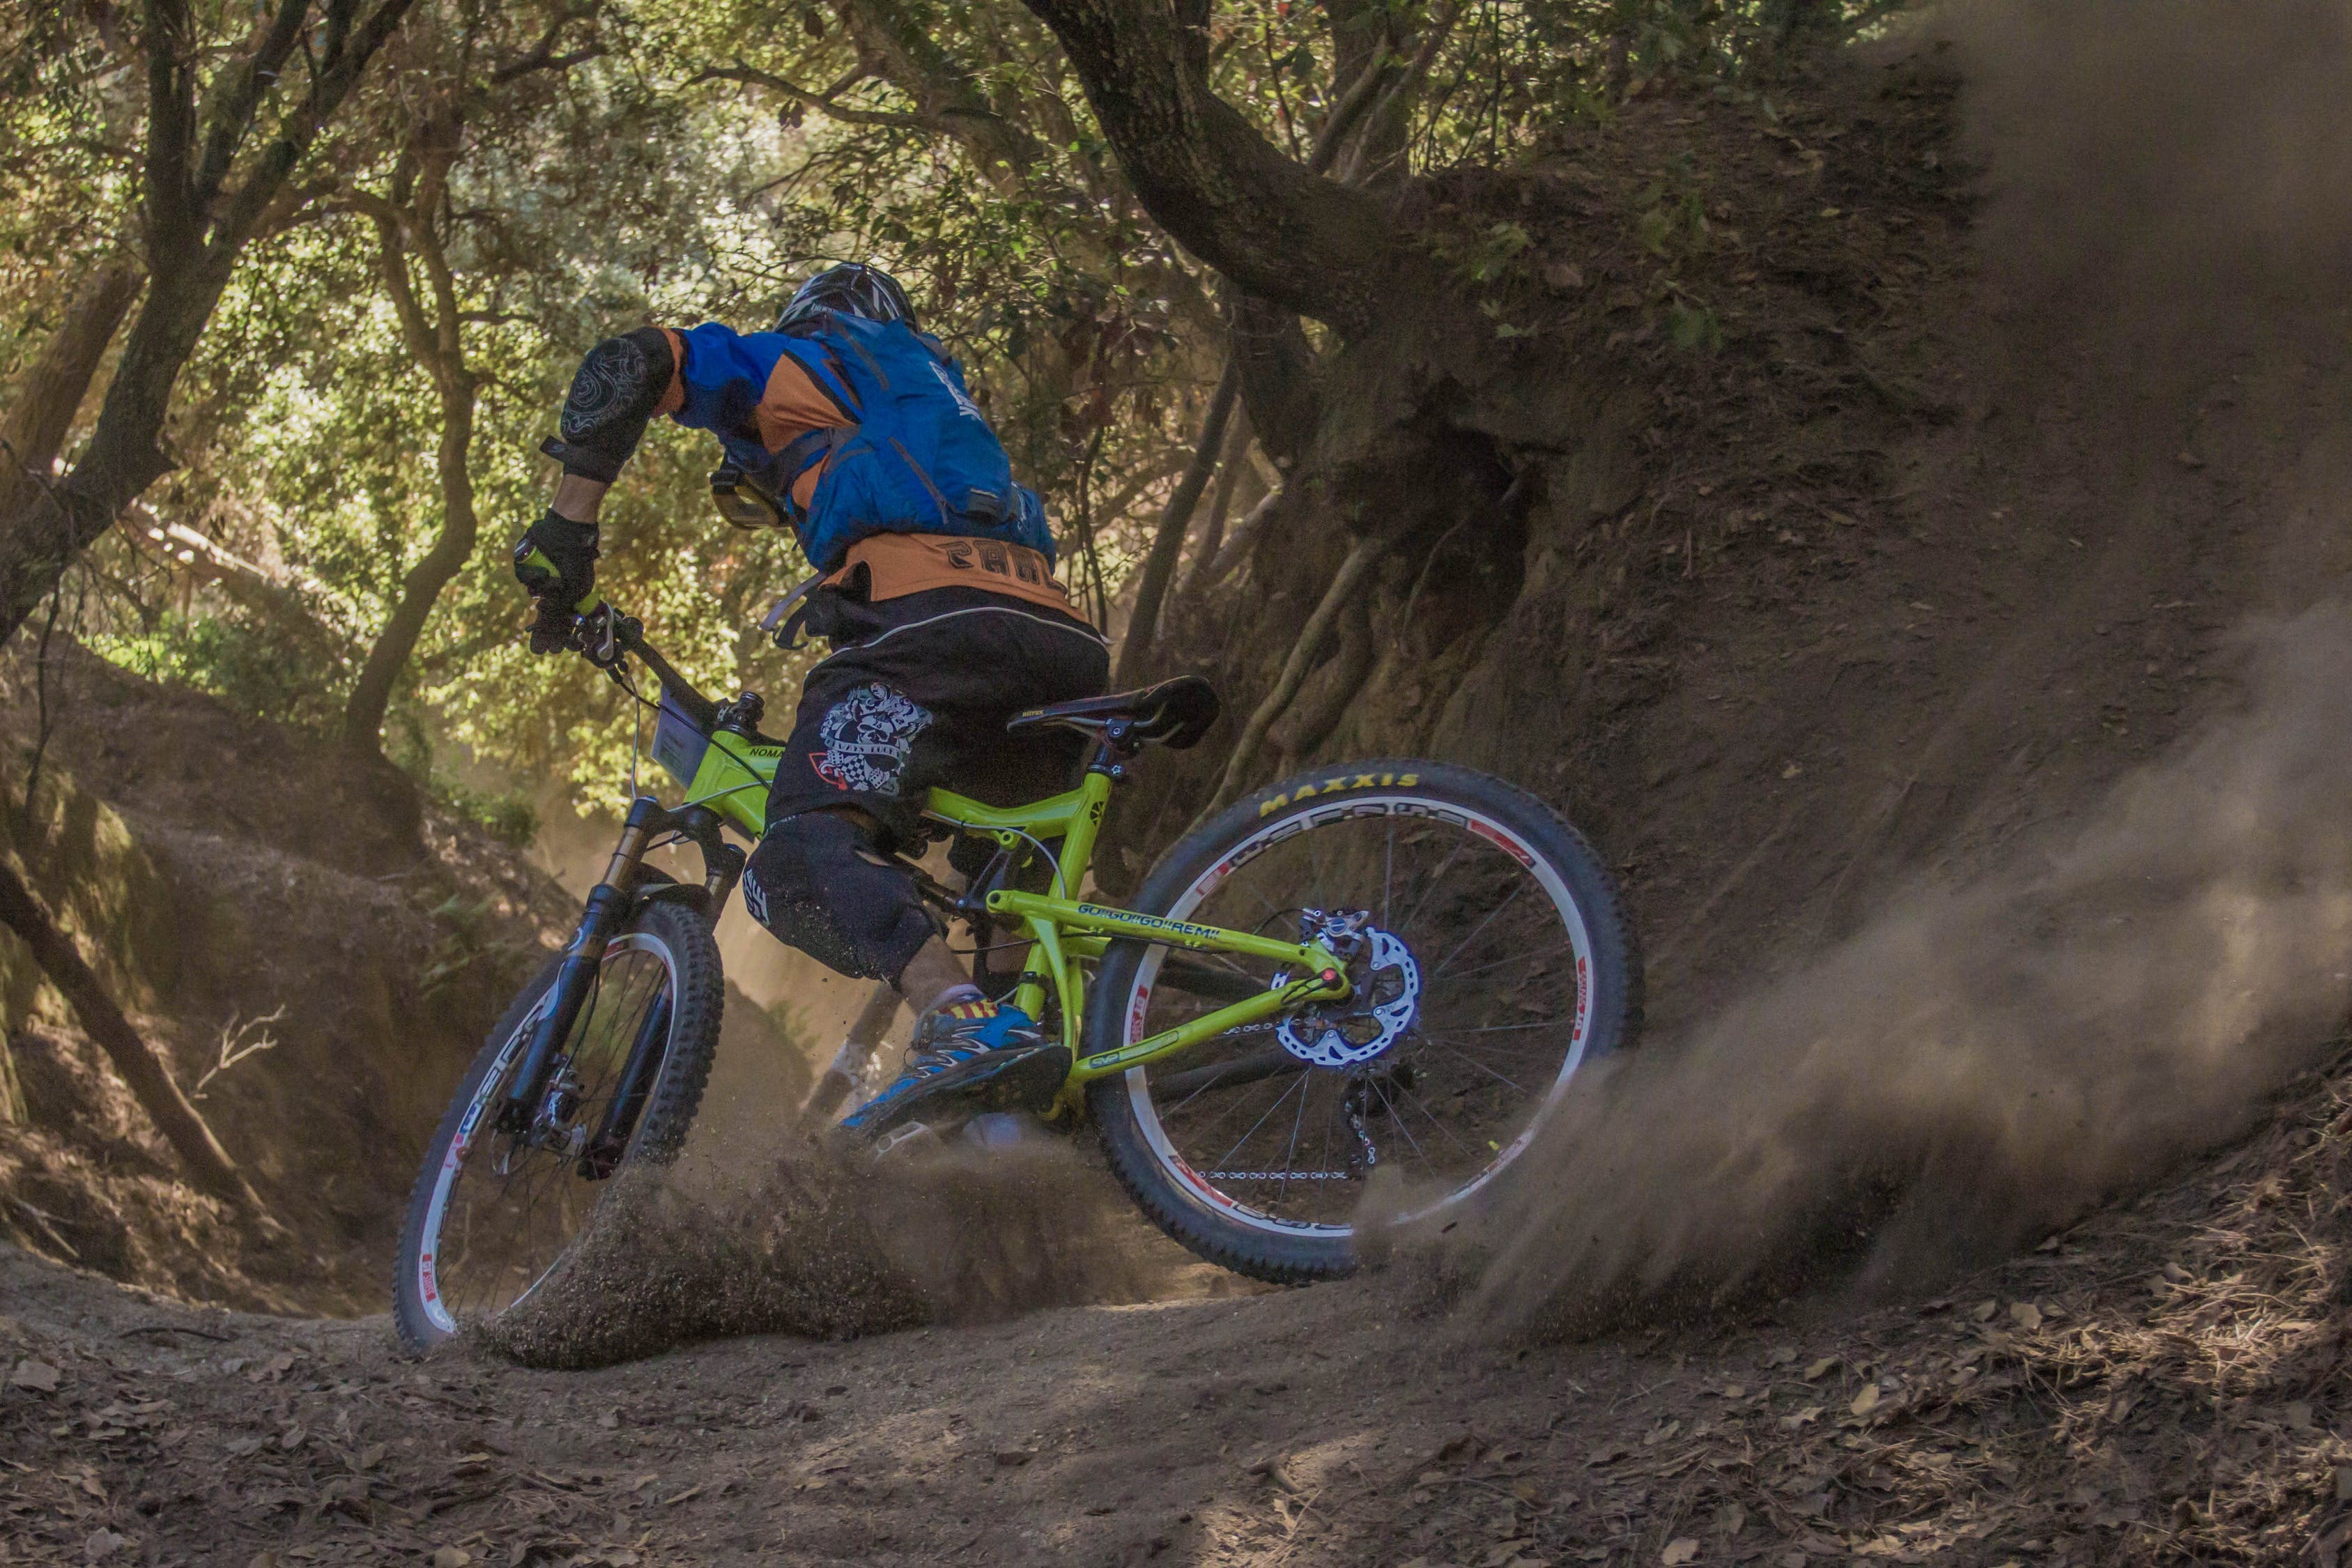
(1066, 935)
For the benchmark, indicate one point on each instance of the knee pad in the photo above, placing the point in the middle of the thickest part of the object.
(810, 882)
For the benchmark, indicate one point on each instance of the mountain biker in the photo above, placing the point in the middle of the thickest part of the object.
(848, 426)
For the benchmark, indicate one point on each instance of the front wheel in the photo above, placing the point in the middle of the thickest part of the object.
(495, 1211)
(1492, 960)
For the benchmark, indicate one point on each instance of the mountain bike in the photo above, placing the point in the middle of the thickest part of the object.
(1386, 970)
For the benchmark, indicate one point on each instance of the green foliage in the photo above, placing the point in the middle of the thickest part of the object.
(506, 815)
(656, 160)
(240, 662)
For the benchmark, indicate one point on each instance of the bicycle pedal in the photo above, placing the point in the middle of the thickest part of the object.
(899, 1137)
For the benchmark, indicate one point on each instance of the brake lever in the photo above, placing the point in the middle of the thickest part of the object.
(597, 636)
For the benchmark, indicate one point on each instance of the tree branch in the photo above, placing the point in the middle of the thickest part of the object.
(1347, 112)
(1210, 573)
(22, 911)
(1399, 95)
(392, 266)
(238, 93)
(348, 53)
(1365, 554)
(542, 56)
(901, 47)
(739, 72)
(171, 125)
(1167, 542)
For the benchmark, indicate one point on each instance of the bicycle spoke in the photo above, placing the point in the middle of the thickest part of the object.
(1478, 931)
(1398, 1119)
(1388, 872)
(1259, 1122)
(1290, 1156)
(503, 1229)
(1314, 870)
(1433, 1121)
(1436, 878)
(1236, 1108)
(1458, 977)
(1482, 1068)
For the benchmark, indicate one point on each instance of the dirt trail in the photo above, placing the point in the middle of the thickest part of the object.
(2165, 1383)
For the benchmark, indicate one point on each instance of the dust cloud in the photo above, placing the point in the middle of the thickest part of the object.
(2171, 182)
(832, 1247)
(2165, 171)
(1977, 1066)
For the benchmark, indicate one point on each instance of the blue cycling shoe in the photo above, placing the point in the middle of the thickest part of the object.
(978, 1055)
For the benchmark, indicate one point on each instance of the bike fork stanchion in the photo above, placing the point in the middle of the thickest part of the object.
(602, 1155)
(607, 908)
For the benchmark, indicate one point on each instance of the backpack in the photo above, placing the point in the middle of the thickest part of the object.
(921, 457)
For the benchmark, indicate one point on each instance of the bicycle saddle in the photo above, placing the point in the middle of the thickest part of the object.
(1175, 713)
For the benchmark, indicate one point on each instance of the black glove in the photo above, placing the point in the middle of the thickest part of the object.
(555, 559)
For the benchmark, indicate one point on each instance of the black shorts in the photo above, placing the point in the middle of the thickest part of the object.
(917, 694)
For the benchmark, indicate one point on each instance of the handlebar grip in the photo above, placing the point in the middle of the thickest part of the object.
(533, 568)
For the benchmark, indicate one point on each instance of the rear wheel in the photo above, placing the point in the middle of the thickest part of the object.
(1491, 962)
(493, 1212)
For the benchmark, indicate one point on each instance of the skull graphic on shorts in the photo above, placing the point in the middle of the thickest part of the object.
(868, 735)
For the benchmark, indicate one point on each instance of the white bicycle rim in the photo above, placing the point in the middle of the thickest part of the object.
(1274, 831)
(453, 1159)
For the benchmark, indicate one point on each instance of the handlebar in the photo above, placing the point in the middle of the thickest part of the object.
(604, 636)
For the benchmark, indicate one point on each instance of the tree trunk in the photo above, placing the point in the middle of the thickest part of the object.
(41, 412)
(1168, 543)
(184, 552)
(364, 714)
(1231, 464)
(42, 533)
(22, 911)
(1361, 558)
(1328, 694)
(197, 224)
(1267, 223)
(1279, 377)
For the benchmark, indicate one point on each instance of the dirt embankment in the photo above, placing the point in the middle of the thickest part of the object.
(255, 897)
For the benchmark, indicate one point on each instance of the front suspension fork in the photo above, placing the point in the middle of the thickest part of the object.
(607, 909)
(604, 1152)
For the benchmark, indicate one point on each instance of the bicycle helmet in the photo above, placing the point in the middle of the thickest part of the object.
(854, 289)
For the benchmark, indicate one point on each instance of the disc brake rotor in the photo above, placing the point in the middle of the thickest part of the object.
(1386, 998)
